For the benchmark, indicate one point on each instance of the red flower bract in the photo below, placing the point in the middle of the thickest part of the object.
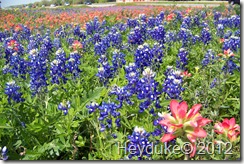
(228, 128)
(184, 123)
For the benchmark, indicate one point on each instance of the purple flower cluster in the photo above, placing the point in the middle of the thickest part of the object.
(38, 69)
(107, 112)
(206, 36)
(135, 36)
(233, 43)
(208, 58)
(172, 85)
(64, 106)
(4, 155)
(230, 66)
(182, 60)
(12, 91)
(73, 64)
(139, 141)
(147, 90)
(58, 70)
(158, 33)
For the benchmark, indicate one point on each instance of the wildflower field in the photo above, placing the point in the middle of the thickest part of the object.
(120, 83)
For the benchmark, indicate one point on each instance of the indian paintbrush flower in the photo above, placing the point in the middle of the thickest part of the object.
(181, 123)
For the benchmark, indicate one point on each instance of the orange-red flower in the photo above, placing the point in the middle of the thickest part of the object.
(12, 44)
(186, 74)
(170, 17)
(184, 123)
(76, 45)
(228, 128)
(221, 40)
(227, 53)
(18, 28)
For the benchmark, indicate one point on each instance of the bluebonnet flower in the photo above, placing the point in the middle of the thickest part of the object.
(208, 58)
(23, 124)
(157, 51)
(196, 20)
(237, 33)
(178, 16)
(17, 66)
(95, 26)
(227, 34)
(2, 36)
(101, 47)
(48, 43)
(220, 30)
(139, 140)
(143, 17)
(151, 22)
(96, 38)
(121, 26)
(217, 15)
(122, 94)
(172, 85)
(107, 111)
(182, 60)
(170, 37)
(64, 106)
(105, 71)
(92, 107)
(38, 69)
(205, 25)
(143, 56)
(114, 135)
(185, 36)
(115, 38)
(135, 36)
(147, 90)
(57, 71)
(206, 36)
(161, 15)
(235, 21)
(158, 33)
(203, 14)
(132, 75)
(12, 90)
(70, 41)
(73, 64)
(195, 39)
(233, 43)
(230, 66)
(118, 60)
(224, 21)
(213, 83)
(4, 155)
(32, 44)
(159, 128)
(57, 43)
(132, 23)
(187, 22)
(78, 32)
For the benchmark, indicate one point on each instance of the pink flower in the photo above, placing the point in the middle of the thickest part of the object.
(184, 123)
(186, 74)
(221, 40)
(228, 128)
(13, 44)
(76, 45)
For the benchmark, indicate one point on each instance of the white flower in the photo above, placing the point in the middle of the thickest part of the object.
(148, 72)
(139, 130)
